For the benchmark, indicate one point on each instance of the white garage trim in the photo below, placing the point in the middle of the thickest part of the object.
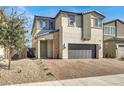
(120, 50)
(79, 51)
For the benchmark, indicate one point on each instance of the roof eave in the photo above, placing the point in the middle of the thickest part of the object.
(33, 24)
(113, 21)
(95, 12)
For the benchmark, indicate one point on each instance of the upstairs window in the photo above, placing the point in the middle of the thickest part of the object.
(52, 25)
(98, 23)
(44, 24)
(109, 30)
(47, 24)
(71, 20)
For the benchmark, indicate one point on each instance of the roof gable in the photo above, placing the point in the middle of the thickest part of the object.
(68, 12)
(96, 12)
(116, 20)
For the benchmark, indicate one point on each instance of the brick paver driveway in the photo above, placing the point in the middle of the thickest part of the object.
(73, 68)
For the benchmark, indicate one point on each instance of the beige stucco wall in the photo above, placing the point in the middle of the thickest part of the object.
(86, 30)
(35, 45)
(69, 33)
(58, 25)
(73, 35)
(120, 30)
(56, 45)
(108, 36)
(110, 24)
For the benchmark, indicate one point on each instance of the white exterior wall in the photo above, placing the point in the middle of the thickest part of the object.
(50, 48)
(38, 49)
(1, 52)
(73, 35)
(119, 53)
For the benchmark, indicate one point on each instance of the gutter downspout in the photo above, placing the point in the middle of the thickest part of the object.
(116, 29)
(82, 26)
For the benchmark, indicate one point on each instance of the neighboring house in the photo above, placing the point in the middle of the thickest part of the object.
(114, 39)
(68, 35)
(1, 48)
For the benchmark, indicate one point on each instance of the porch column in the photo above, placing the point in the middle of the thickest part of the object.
(38, 49)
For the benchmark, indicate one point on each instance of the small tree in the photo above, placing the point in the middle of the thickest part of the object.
(12, 32)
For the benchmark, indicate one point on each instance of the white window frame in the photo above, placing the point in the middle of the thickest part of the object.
(110, 33)
(43, 25)
(69, 20)
(98, 26)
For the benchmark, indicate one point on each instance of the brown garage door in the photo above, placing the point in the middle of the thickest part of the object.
(76, 51)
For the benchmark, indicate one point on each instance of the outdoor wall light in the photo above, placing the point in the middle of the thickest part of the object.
(65, 45)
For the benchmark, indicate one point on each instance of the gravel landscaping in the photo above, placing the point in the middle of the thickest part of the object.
(24, 71)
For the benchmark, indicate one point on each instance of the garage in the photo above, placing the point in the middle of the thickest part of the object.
(78, 51)
(120, 51)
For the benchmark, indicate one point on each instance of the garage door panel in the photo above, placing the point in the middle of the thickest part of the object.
(121, 51)
(81, 51)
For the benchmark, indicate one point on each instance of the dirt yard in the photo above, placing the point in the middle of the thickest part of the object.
(24, 71)
(28, 71)
(67, 69)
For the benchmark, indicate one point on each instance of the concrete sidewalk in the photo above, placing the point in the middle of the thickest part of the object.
(110, 80)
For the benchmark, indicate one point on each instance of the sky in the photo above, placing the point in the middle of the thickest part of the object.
(111, 12)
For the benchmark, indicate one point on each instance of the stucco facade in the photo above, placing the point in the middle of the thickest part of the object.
(83, 32)
(73, 34)
(114, 44)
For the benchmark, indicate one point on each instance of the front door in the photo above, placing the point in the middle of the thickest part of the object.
(43, 49)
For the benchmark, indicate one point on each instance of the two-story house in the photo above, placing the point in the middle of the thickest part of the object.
(114, 39)
(69, 35)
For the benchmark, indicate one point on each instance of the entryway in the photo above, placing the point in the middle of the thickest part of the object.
(46, 49)
(43, 49)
